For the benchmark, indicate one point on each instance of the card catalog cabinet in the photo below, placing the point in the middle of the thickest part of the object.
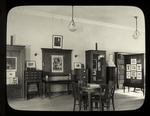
(81, 75)
(96, 64)
(33, 74)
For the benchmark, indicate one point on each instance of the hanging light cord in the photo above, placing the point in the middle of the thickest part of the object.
(136, 31)
(72, 12)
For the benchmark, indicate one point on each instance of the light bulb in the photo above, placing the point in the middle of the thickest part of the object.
(72, 26)
(136, 35)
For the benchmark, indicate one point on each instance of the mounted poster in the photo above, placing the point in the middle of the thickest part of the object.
(57, 63)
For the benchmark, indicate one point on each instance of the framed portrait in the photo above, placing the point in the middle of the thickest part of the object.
(77, 65)
(139, 67)
(57, 41)
(95, 64)
(11, 63)
(139, 75)
(128, 67)
(128, 76)
(133, 74)
(133, 66)
(133, 61)
(57, 63)
(30, 64)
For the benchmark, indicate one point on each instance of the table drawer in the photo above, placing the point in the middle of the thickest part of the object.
(33, 74)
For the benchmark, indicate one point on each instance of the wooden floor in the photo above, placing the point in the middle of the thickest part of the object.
(64, 102)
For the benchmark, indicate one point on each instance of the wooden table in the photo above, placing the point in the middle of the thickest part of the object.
(50, 82)
(90, 90)
(33, 81)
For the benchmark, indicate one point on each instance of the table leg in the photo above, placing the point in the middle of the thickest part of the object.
(68, 88)
(49, 90)
(25, 90)
(41, 89)
(89, 100)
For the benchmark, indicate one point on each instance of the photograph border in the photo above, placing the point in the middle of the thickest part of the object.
(53, 41)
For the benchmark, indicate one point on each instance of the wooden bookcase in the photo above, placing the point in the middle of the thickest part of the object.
(119, 62)
(16, 90)
(96, 64)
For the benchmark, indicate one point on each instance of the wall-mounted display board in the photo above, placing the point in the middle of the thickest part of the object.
(134, 71)
(15, 60)
(56, 62)
(96, 63)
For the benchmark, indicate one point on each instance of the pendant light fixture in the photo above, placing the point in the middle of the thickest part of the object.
(72, 26)
(136, 34)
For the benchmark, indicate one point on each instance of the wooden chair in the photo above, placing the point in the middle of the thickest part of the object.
(104, 97)
(112, 93)
(79, 96)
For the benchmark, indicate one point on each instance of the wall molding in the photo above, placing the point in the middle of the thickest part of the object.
(37, 13)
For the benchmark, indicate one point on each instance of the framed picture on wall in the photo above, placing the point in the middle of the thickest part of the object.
(128, 76)
(133, 66)
(11, 63)
(57, 41)
(133, 74)
(139, 67)
(139, 75)
(57, 63)
(128, 66)
(133, 61)
(77, 65)
(30, 64)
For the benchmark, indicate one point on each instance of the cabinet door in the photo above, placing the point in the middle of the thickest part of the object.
(9, 93)
(17, 92)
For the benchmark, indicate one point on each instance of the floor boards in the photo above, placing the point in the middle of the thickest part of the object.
(64, 102)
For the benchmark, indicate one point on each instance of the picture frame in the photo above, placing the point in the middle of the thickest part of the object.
(128, 67)
(57, 63)
(31, 64)
(133, 61)
(133, 66)
(133, 74)
(128, 76)
(77, 65)
(139, 75)
(139, 67)
(94, 64)
(11, 63)
(57, 41)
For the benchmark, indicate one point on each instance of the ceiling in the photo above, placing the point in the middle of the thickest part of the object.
(118, 15)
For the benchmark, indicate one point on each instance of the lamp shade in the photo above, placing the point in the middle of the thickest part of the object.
(136, 35)
(72, 26)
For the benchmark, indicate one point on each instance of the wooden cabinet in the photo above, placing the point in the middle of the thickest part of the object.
(111, 74)
(16, 90)
(33, 74)
(56, 62)
(119, 62)
(96, 64)
(82, 75)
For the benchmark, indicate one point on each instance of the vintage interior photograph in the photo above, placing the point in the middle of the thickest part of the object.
(63, 45)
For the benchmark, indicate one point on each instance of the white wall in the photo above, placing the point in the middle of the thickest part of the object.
(35, 32)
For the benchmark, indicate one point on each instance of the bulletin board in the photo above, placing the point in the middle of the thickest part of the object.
(134, 70)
